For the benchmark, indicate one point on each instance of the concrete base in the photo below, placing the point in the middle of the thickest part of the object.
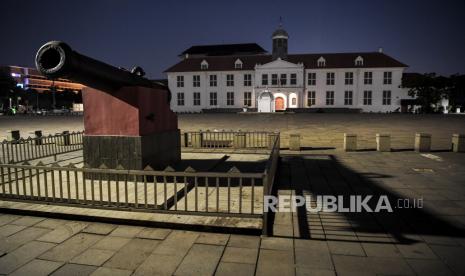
(422, 142)
(458, 143)
(239, 141)
(133, 152)
(350, 142)
(383, 142)
(294, 142)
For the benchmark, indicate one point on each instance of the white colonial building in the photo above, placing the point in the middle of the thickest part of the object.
(234, 76)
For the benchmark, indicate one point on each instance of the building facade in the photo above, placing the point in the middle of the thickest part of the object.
(231, 77)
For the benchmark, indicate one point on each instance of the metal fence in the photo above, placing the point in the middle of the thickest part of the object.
(231, 193)
(26, 149)
(229, 139)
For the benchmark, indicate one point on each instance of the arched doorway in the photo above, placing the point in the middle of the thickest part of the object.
(279, 103)
(265, 102)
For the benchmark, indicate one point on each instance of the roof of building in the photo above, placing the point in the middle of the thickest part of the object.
(280, 32)
(225, 49)
(332, 60)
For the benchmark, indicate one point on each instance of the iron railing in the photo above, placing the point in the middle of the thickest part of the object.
(229, 139)
(269, 179)
(26, 149)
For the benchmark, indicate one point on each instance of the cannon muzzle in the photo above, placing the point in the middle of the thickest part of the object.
(56, 59)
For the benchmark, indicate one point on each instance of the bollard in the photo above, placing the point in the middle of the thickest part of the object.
(239, 141)
(65, 138)
(271, 138)
(422, 142)
(294, 142)
(184, 139)
(38, 137)
(458, 142)
(196, 139)
(350, 142)
(383, 142)
(14, 135)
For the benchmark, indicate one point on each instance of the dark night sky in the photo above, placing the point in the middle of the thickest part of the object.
(427, 35)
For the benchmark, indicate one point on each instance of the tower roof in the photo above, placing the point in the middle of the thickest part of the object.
(280, 32)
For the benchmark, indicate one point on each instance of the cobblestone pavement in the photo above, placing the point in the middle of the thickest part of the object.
(317, 130)
(420, 241)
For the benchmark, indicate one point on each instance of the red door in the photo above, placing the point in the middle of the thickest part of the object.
(279, 103)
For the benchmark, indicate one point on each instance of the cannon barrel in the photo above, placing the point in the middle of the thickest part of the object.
(56, 59)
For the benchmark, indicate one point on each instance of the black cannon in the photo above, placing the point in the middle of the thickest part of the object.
(56, 59)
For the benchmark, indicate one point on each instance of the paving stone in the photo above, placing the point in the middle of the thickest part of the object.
(275, 262)
(74, 270)
(63, 232)
(371, 265)
(244, 241)
(27, 221)
(92, 256)
(234, 269)
(126, 231)
(37, 268)
(240, 255)
(105, 271)
(277, 243)
(346, 248)
(71, 247)
(111, 243)
(154, 233)
(305, 271)
(453, 256)
(202, 259)
(51, 223)
(9, 229)
(416, 251)
(157, 264)
(131, 255)
(430, 267)
(14, 241)
(99, 228)
(177, 243)
(318, 258)
(381, 250)
(7, 218)
(22, 255)
(213, 238)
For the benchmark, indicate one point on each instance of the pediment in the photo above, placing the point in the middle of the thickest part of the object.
(279, 63)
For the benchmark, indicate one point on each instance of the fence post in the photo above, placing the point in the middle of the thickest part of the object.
(196, 139)
(350, 142)
(38, 137)
(422, 142)
(294, 142)
(239, 140)
(14, 135)
(383, 142)
(458, 142)
(271, 138)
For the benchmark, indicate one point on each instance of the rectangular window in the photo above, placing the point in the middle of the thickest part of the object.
(229, 80)
(311, 78)
(213, 98)
(180, 97)
(330, 78)
(329, 97)
(368, 78)
(367, 97)
(213, 81)
(283, 79)
(349, 78)
(293, 80)
(180, 81)
(274, 79)
(196, 98)
(387, 78)
(348, 97)
(230, 98)
(247, 98)
(247, 80)
(264, 79)
(387, 97)
(311, 98)
(196, 80)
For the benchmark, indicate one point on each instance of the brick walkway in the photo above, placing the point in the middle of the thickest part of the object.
(428, 241)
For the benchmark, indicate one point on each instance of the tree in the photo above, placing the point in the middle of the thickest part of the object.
(456, 90)
(428, 89)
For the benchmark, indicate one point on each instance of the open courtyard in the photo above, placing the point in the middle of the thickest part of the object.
(409, 241)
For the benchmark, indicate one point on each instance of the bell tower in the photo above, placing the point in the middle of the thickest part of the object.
(280, 38)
